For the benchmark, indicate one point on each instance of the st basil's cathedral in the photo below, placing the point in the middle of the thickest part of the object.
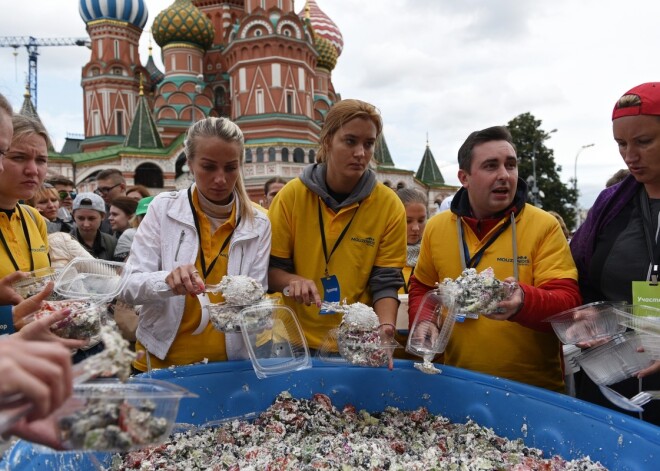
(257, 62)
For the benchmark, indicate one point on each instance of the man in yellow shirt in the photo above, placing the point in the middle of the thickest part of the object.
(491, 225)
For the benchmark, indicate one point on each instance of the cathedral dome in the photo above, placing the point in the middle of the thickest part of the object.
(323, 25)
(131, 11)
(183, 22)
(327, 53)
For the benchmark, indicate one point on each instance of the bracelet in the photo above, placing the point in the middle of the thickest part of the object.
(388, 323)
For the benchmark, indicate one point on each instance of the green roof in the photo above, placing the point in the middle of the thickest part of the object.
(428, 171)
(143, 132)
(113, 152)
(382, 152)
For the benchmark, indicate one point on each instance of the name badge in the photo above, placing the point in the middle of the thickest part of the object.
(643, 292)
(331, 293)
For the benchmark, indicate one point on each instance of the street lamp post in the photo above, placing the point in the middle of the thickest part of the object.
(535, 187)
(577, 205)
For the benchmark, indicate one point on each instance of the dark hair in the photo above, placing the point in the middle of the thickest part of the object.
(126, 204)
(60, 180)
(111, 173)
(143, 190)
(494, 133)
(5, 106)
(341, 113)
(270, 181)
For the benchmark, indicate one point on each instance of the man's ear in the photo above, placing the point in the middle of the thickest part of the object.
(462, 177)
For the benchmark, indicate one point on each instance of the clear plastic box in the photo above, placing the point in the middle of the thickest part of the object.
(274, 339)
(587, 323)
(108, 415)
(615, 360)
(646, 321)
(85, 319)
(92, 278)
(373, 353)
(226, 317)
(36, 282)
(433, 324)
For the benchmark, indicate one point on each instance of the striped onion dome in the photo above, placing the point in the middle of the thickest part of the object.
(131, 11)
(323, 25)
(183, 22)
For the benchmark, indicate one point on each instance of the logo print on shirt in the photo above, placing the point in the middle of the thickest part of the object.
(368, 241)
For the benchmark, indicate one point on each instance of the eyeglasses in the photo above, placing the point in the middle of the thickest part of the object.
(63, 194)
(104, 190)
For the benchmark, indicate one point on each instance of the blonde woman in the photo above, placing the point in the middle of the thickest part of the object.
(192, 237)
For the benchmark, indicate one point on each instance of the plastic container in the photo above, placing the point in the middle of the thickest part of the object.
(274, 339)
(615, 360)
(92, 278)
(432, 326)
(374, 353)
(226, 317)
(108, 415)
(556, 423)
(587, 323)
(36, 282)
(85, 319)
(646, 321)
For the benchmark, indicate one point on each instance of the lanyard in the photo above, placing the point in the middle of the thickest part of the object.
(205, 271)
(26, 233)
(653, 248)
(341, 236)
(472, 262)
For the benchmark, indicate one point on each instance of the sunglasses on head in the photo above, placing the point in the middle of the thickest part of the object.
(103, 190)
(63, 194)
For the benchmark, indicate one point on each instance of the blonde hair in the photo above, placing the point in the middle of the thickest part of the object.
(228, 131)
(27, 125)
(342, 112)
(562, 224)
(42, 193)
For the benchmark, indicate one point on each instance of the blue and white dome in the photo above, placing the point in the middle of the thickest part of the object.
(130, 11)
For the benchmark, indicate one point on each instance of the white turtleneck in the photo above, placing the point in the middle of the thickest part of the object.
(217, 214)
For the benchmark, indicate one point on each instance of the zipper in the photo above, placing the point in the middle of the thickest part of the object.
(176, 255)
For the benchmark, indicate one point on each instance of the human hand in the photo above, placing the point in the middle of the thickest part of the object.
(39, 329)
(386, 334)
(510, 306)
(303, 291)
(44, 432)
(39, 371)
(653, 369)
(30, 305)
(185, 279)
(7, 293)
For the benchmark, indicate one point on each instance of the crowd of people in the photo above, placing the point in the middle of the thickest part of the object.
(333, 234)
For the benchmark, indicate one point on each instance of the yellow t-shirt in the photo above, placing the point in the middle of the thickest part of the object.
(14, 235)
(375, 238)
(210, 344)
(501, 348)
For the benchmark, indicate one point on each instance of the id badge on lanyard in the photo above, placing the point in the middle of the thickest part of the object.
(646, 293)
(331, 293)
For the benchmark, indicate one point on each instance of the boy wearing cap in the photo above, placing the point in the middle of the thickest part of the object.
(621, 230)
(88, 213)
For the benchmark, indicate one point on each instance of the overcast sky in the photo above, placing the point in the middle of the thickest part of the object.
(441, 68)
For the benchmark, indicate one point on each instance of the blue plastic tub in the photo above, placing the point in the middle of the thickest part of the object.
(555, 423)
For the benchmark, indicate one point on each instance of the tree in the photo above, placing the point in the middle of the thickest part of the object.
(553, 194)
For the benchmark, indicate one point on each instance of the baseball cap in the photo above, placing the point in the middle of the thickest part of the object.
(142, 206)
(644, 100)
(89, 201)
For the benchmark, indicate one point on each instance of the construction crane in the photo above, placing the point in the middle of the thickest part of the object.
(32, 44)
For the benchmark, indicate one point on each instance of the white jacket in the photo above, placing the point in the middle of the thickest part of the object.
(62, 248)
(166, 239)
